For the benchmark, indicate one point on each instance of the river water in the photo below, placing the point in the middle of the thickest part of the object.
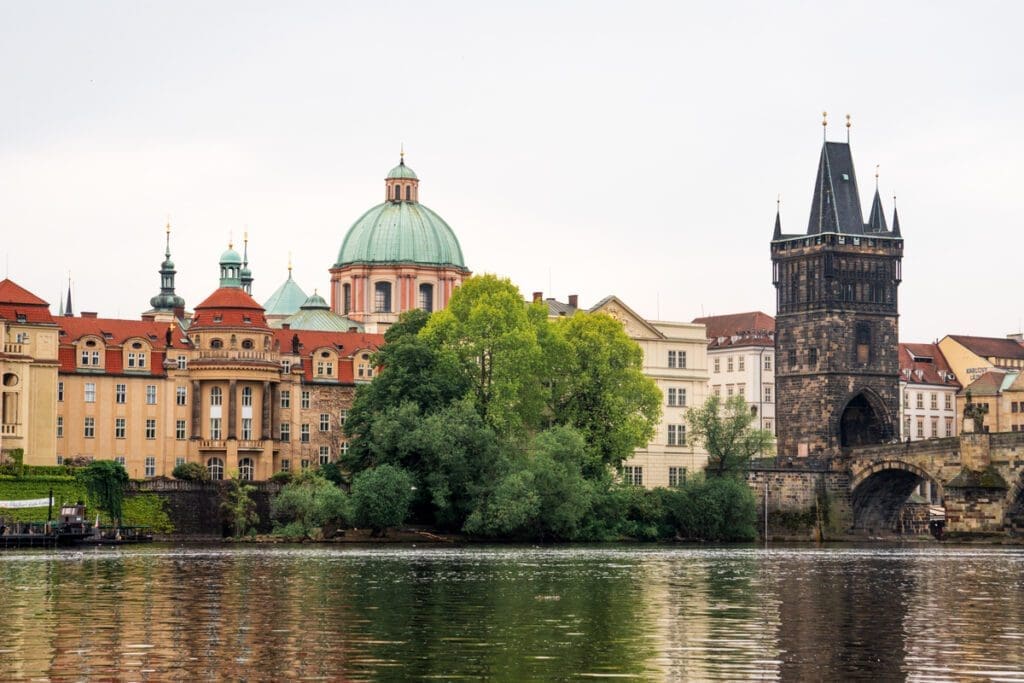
(513, 613)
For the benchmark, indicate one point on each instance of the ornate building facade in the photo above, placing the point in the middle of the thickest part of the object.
(836, 345)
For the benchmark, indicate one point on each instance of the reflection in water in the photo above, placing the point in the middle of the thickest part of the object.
(257, 613)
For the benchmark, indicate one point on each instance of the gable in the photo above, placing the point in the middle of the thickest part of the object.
(636, 327)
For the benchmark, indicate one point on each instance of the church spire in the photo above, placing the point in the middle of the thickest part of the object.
(876, 220)
(245, 274)
(895, 219)
(167, 300)
(68, 310)
(778, 219)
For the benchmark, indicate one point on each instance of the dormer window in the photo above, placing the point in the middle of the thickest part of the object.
(247, 344)
(217, 318)
(21, 317)
(216, 344)
(246, 319)
(325, 364)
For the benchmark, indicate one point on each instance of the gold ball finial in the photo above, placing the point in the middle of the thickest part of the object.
(848, 124)
(824, 118)
(877, 166)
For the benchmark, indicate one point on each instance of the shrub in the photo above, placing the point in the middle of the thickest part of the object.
(381, 497)
(282, 477)
(307, 506)
(190, 471)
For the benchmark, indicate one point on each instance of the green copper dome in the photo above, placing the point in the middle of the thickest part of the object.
(286, 299)
(401, 232)
(315, 302)
(402, 171)
(230, 257)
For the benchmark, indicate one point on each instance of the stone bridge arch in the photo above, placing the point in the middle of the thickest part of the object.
(879, 490)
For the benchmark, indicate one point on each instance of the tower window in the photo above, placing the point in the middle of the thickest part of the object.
(408, 193)
(398, 193)
(427, 297)
(346, 298)
(863, 335)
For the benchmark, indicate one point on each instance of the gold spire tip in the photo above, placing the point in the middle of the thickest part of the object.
(848, 124)
(824, 118)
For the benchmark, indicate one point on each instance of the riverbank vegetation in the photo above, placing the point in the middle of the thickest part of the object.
(509, 425)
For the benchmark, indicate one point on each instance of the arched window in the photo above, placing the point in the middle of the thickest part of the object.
(398, 193)
(427, 297)
(247, 396)
(217, 343)
(382, 297)
(408, 193)
(245, 469)
(247, 344)
(215, 466)
(216, 395)
(346, 298)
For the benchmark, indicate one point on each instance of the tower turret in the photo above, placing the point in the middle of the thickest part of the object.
(231, 268)
(245, 275)
(167, 301)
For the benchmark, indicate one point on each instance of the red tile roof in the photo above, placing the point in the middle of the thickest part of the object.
(925, 364)
(17, 302)
(115, 333)
(311, 340)
(990, 347)
(987, 385)
(232, 306)
(739, 329)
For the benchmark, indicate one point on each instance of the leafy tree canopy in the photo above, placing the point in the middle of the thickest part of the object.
(105, 481)
(724, 429)
(381, 497)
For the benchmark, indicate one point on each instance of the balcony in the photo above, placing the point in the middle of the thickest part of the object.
(10, 430)
(213, 445)
(14, 349)
(222, 444)
(251, 445)
(233, 355)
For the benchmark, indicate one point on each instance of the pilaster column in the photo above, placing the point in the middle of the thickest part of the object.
(232, 417)
(268, 411)
(197, 408)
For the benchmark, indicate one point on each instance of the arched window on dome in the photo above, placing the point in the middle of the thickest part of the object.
(427, 297)
(398, 193)
(408, 193)
(382, 297)
(346, 298)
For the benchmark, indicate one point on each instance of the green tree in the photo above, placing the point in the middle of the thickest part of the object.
(308, 506)
(724, 429)
(413, 370)
(105, 481)
(381, 497)
(493, 337)
(190, 471)
(239, 506)
(598, 387)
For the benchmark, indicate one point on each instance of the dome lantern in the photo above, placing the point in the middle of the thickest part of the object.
(401, 183)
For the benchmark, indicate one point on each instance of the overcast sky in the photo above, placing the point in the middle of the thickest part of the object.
(577, 148)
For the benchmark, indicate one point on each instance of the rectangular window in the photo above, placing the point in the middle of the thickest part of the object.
(94, 358)
(717, 390)
(60, 391)
(142, 360)
(920, 401)
(633, 475)
(1013, 406)
(119, 460)
(344, 416)
(60, 427)
(677, 435)
(182, 362)
(768, 362)
(718, 364)
(677, 359)
(119, 427)
(728, 364)
(286, 432)
(949, 426)
(741, 364)
(305, 400)
(90, 427)
(935, 427)
(305, 464)
(181, 395)
(179, 430)
(325, 422)
(286, 398)
(325, 455)
(131, 359)
(247, 397)
(150, 428)
(934, 401)
(671, 396)
(215, 428)
(286, 367)
(949, 402)
(792, 358)
(676, 476)
(85, 357)
(285, 464)
(150, 466)
(344, 448)
(920, 429)
(729, 390)
(120, 393)
(246, 428)
(812, 356)
(768, 425)
(180, 460)
(151, 394)
(768, 393)
(90, 392)
(60, 459)
(741, 390)
(304, 433)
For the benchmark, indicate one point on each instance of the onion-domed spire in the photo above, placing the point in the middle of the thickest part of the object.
(230, 267)
(167, 300)
(245, 275)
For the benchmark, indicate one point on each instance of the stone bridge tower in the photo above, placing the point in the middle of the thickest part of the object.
(836, 342)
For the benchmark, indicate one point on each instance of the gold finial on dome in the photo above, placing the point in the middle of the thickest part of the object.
(401, 154)
(289, 264)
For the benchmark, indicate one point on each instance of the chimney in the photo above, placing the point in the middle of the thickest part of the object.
(353, 329)
(88, 314)
(286, 326)
(574, 300)
(538, 296)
